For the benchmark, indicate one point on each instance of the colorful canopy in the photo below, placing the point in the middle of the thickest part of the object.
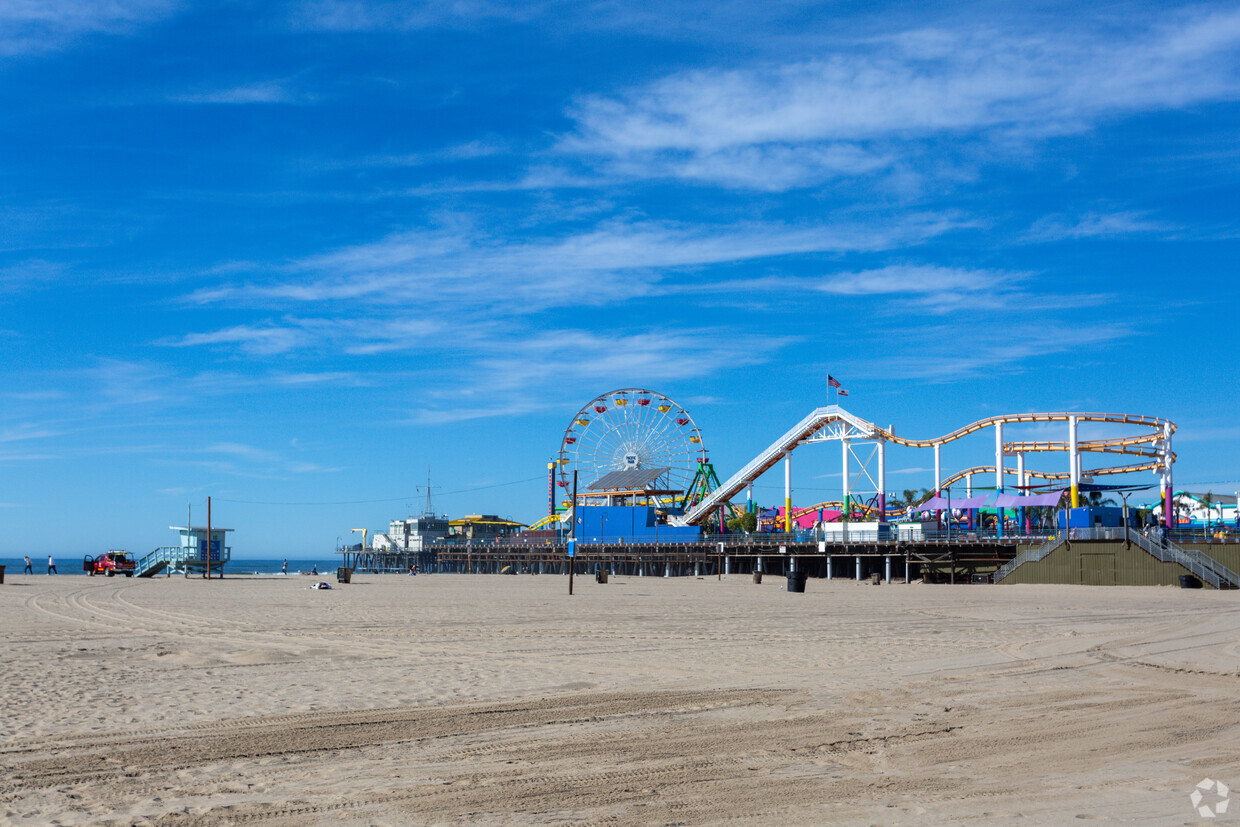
(944, 503)
(1017, 501)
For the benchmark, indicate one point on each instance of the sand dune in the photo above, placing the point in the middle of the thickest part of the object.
(445, 699)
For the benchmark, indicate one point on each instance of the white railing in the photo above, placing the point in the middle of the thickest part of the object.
(178, 558)
(1029, 555)
(1206, 568)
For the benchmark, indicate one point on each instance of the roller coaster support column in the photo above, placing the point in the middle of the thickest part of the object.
(968, 492)
(1020, 483)
(845, 499)
(938, 477)
(882, 481)
(1168, 490)
(1074, 460)
(787, 492)
(998, 476)
(749, 498)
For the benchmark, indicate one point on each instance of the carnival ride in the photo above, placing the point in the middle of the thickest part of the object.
(832, 423)
(630, 429)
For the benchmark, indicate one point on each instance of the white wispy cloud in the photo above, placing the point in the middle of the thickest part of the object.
(973, 348)
(502, 371)
(458, 267)
(852, 111)
(356, 16)
(25, 431)
(31, 27)
(29, 274)
(1097, 225)
(271, 91)
(348, 335)
(254, 457)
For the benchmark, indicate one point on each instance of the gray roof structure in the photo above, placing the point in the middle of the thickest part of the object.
(630, 479)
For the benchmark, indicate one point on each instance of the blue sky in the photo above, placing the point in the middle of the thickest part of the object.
(304, 252)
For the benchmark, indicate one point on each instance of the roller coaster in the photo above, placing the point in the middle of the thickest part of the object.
(832, 423)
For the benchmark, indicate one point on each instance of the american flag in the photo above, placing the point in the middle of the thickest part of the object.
(832, 382)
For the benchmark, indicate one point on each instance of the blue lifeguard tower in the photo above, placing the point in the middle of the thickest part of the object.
(192, 554)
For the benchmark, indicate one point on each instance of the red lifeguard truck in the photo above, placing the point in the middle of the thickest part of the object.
(110, 563)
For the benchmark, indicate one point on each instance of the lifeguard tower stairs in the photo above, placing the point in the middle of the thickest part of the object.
(191, 555)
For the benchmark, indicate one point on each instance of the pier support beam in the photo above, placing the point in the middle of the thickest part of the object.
(858, 562)
(888, 567)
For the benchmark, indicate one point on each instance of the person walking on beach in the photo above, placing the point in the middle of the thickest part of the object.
(29, 569)
(284, 566)
(51, 565)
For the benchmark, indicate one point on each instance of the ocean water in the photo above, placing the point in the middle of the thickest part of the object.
(14, 566)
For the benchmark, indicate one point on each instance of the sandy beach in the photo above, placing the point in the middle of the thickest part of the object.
(455, 699)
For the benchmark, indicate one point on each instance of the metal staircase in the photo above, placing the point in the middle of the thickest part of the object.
(1205, 567)
(1029, 555)
(155, 562)
(179, 559)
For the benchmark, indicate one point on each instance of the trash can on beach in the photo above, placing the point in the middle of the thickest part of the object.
(796, 580)
(1187, 581)
(344, 575)
(757, 577)
(600, 576)
(1, 575)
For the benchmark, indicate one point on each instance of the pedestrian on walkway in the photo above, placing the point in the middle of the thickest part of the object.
(29, 568)
(51, 565)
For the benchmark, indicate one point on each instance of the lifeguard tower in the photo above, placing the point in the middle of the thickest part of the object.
(192, 554)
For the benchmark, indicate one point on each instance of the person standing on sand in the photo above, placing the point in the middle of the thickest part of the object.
(51, 565)
(29, 569)
(284, 566)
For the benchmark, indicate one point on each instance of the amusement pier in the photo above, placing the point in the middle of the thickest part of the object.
(632, 491)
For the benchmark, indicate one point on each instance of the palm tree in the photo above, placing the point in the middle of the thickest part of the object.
(1208, 502)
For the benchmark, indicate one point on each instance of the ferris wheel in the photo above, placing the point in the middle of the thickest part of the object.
(629, 429)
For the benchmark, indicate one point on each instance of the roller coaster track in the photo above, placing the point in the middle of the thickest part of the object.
(820, 418)
(835, 505)
(545, 521)
(1052, 475)
(1154, 423)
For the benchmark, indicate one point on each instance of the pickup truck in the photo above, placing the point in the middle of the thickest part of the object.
(110, 563)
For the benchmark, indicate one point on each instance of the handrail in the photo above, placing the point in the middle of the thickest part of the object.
(1203, 566)
(173, 555)
(1029, 555)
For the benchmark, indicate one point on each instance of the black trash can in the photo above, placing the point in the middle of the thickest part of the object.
(1187, 581)
(344, 575)
(796, 580)
(1, 575)
(757, 577)
(600, 576)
